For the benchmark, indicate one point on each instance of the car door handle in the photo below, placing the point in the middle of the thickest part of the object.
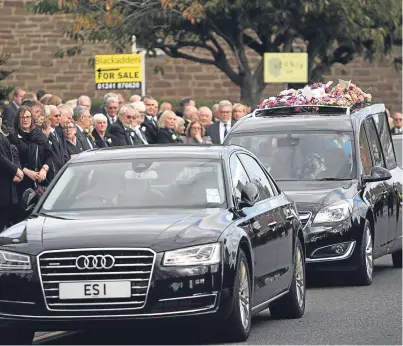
(272, 224)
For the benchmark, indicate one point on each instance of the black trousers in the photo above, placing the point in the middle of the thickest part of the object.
(10, 215)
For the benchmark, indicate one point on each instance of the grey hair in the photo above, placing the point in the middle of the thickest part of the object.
(48, 110)
(225, 103)
(205, 108)
(99, 117)
(65, 107)
(83, 97)
(78, 112)
(139, 105)
(108, 95)
(179, 122)
(109, 100)
(124, 109)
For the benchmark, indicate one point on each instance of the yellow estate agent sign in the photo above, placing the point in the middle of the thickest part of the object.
(119, 72)
(286, 67)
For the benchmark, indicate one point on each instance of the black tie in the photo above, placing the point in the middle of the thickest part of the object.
(225, 129)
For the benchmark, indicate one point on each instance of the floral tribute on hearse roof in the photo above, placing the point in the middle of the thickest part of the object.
(344, 94)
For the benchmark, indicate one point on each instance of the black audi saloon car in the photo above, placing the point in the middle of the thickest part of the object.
(340, 168)
(153, 232)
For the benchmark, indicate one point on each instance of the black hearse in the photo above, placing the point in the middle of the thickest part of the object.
(341, 170)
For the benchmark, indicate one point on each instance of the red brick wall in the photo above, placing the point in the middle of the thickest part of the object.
(31, 39)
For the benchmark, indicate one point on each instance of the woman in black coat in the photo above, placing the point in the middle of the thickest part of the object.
(166, 129)
(35, 153)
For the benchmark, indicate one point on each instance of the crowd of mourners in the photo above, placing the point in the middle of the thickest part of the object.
(39, 134)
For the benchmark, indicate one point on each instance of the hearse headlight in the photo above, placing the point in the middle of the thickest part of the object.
(197, 255)
(14, 261)
(335, 212)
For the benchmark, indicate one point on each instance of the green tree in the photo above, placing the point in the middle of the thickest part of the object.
(219, 32)
(5, 72)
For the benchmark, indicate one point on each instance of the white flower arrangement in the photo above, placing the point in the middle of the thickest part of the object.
(109, 141)
(174, 137)
(144, 129)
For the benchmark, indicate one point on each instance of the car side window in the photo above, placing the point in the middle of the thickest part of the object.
(383, 130)
(257, 176)
(239, 176)
(365, 153)
(374, 143)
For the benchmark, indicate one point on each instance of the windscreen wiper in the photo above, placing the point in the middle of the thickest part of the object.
(47, 215)
(332, 179)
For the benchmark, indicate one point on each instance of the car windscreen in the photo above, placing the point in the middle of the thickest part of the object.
(138, 183)
(302, 155)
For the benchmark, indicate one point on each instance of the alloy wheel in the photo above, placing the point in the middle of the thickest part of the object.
(244, 296)
(368, 253)
(299, 278)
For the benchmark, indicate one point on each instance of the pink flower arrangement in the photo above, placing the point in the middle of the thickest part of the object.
(344, 94)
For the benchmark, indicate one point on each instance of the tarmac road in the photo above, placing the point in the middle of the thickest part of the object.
(336, 313)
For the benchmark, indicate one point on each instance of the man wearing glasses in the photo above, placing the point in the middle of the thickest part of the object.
(397, 120)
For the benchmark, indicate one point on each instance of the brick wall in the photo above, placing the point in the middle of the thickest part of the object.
(31, 39)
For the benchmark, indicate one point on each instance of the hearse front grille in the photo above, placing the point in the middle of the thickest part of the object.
(133, 267)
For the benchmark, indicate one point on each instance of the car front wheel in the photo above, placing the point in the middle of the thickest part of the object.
(10, 336)
(292, 305)
(237, 326)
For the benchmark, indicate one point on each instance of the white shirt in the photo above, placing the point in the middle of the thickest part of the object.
(112, 120)
(222, 130)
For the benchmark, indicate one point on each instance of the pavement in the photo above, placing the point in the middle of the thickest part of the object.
(336, 313)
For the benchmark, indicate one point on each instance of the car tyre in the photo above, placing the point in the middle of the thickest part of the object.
(397, 259)
(238, 325)
(363, 275)
(292, 304)
(10, 336)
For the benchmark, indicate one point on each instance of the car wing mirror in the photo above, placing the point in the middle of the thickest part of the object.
(249, 196)
(28, 199)
(377, 174)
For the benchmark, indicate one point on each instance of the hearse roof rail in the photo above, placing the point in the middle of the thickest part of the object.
(311, 109)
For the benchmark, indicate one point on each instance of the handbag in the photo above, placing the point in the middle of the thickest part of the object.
(39, 189)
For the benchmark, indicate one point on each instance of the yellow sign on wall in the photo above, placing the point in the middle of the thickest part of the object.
(119, 71)
(286, 67)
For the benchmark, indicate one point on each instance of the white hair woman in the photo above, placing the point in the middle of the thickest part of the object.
(167, 129)
(99, 131)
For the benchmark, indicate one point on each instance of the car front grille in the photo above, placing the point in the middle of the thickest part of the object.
(60, 266)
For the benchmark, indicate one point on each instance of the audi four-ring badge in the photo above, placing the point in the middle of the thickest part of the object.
(95, 262)
(201, 233)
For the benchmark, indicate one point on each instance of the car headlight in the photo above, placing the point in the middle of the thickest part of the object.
(14, 261)
(197, 255)
(335, 212)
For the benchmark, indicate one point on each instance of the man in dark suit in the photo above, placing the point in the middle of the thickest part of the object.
(10, 111)
(57, 140)
(150, 120)
(122, 132)
(219, 129)
(83, 119)
(111, 110)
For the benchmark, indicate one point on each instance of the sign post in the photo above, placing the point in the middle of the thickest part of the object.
(119, 72)
(143, 63)
(285, 68)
